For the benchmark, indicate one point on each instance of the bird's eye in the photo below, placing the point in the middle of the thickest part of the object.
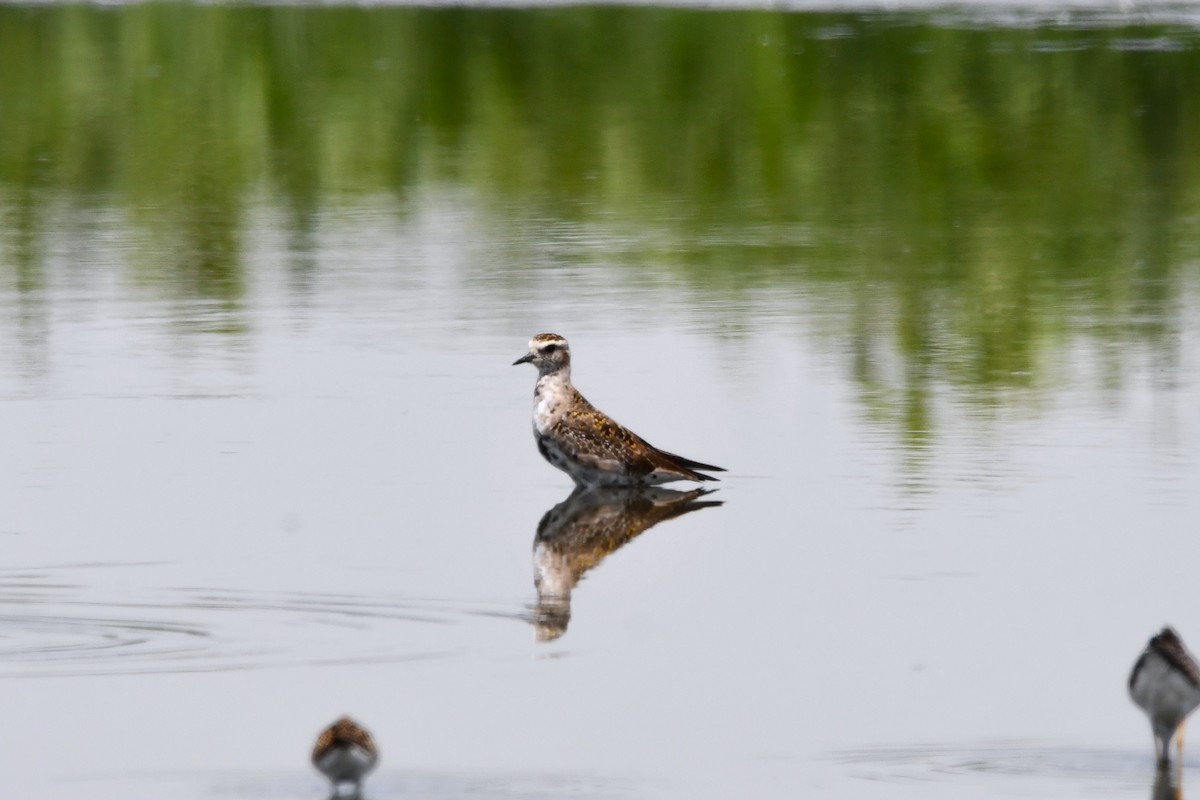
(550, 348)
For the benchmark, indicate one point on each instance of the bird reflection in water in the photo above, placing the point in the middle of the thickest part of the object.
(1167, 783)
(578, 533)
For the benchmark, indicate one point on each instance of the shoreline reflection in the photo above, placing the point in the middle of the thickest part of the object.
(574, 536)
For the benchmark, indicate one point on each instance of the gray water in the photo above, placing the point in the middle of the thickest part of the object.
(254, 481)
(215, 544)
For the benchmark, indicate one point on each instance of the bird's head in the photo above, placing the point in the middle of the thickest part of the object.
(549, 352)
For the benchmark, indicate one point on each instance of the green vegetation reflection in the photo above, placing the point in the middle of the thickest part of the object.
(975, 198)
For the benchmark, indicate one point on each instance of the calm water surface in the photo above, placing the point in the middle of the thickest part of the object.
(929, 288)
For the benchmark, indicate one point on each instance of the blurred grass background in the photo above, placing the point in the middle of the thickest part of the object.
(983, 193)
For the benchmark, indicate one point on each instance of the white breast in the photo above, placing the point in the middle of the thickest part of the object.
(1163, 692)
(550, 400)
(552, 575)
(346, 763)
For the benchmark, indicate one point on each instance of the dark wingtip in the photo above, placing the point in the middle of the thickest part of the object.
(692, 466)
(699, 467)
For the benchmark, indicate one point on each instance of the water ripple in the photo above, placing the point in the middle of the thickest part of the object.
(1115, 769)
(57, 621)
(427, 784)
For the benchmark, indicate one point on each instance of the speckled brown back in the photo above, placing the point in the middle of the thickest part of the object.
(590, 432)
(343, 733)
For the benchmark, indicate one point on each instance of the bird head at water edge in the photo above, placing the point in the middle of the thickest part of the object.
(549, 352)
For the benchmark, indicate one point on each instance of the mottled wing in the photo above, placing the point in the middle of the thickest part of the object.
(594, 437)
(596, 440)
(1168, 645)
(324, 742)
(343, 733)
(579, 519)
(359, 738)
(593, 523)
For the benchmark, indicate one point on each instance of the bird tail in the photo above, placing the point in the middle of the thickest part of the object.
(687, 463)
(695, 469)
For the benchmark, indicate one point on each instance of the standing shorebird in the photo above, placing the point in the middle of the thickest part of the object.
(1165, 683)
(345, 753)
(586, 443)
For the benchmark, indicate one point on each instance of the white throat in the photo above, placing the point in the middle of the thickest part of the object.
(551, 397)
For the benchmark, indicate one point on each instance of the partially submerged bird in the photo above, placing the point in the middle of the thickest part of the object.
(345, 753)
(584, 442)
(1165, 683)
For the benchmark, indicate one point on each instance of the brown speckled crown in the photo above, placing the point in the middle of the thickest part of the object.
(547, 338)
(1168, 645)
(544, 340)
(343, 733)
